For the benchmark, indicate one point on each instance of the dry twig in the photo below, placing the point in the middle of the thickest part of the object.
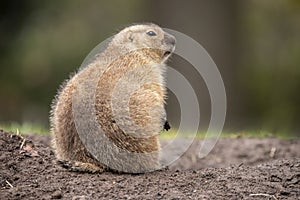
(264, 195)
(23, 142)
(8, 183)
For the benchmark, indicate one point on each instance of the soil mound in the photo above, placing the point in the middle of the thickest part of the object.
(242, 168)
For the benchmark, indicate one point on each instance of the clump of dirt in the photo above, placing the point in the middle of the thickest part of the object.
(242, 168)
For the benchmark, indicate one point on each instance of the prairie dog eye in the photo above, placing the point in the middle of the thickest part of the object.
(151, 33)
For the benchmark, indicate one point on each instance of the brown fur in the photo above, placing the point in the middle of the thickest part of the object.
(131, 54)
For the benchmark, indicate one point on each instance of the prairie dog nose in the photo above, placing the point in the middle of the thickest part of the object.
(169, 39)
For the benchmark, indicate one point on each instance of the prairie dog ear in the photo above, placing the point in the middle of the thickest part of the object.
(130, 36)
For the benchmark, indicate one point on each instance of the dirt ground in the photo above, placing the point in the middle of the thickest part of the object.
(241, 168)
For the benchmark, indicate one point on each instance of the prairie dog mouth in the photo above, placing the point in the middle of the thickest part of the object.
(167, 53)
(169, 42)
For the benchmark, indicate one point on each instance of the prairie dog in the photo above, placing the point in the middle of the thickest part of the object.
(115, 105)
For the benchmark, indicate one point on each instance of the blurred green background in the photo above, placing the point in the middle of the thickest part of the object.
(255, 44)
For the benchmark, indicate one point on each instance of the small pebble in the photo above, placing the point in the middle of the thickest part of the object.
(56, 195)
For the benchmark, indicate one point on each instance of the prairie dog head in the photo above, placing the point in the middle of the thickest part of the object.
(146, 36)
